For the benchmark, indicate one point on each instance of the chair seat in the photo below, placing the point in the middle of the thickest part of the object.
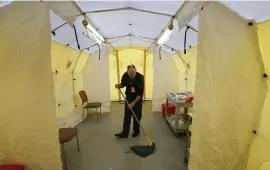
(93, 105)
(66, 134)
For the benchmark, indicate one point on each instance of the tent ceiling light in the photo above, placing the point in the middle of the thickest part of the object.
(166, 35)
(92, 33)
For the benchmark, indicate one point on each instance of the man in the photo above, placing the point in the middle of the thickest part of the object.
(134, 83)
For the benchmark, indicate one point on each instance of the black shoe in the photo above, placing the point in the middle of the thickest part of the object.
(135, 134)
(121, 135)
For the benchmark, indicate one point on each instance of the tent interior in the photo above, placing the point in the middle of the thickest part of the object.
(217, 50)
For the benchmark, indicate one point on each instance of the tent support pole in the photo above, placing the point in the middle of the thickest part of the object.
(59, 27)
(132, 35)
(121, 36)
(144, 37)
(170, 48)
(129, 8)
(144, 73)
(131, 47)
(73, 78)
(116, 40)
(118, 73)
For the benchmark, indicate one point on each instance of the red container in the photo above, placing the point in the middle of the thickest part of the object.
(171, 109)
(189, 99)
(11, 167)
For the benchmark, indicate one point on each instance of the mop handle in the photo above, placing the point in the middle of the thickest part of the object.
(132, 112)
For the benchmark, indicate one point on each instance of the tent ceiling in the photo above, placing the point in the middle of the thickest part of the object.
(129, 22)
(257, 10)
(123, 22)
(4, 3)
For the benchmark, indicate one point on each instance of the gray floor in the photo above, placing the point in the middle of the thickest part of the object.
(101, 151)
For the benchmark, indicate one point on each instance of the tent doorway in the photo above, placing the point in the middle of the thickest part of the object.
(118, 66)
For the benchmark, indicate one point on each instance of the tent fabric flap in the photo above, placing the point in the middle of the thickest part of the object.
(259, 157)
(229, 95)
(65, 9)
(114, 94)
(189, 10)
(28, 124)
(164, 72)
(96, 78)
(186, 67)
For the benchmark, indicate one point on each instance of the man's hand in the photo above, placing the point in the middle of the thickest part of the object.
(118, 86)
(131, 105)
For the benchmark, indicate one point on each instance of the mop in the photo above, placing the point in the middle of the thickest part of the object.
(140, 150)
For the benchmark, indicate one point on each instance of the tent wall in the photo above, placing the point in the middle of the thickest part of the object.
(149, 76)
(67, 113)
(171, 71)
(259, 153)
(230, 90)
(181, 72)
(28, 125)
(96, 78)
(165, 77)
(191, 58)
(114, 96)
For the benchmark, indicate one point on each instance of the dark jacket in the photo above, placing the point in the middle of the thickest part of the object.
(134, 87)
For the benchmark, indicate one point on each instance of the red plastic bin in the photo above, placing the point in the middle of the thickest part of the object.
(11, 167)
(171, 109)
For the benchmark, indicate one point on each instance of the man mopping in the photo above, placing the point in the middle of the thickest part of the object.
(134, 83)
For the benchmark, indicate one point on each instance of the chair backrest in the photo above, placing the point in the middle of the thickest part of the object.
(83, 96)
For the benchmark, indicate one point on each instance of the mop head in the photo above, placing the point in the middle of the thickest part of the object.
(143, 151)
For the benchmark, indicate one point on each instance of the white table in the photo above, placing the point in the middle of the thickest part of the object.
(173, 120)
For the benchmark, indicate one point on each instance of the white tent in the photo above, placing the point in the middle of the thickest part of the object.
(226, 69)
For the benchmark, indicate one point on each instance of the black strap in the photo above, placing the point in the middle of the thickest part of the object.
(185, 41)
(98, 51)
(76, 37)
(159, 52)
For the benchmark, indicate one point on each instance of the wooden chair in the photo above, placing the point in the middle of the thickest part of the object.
(93, 105)
(66, 135)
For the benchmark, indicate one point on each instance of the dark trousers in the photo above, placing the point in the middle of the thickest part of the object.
(127, 119)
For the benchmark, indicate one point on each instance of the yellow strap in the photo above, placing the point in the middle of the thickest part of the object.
(149, 141)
